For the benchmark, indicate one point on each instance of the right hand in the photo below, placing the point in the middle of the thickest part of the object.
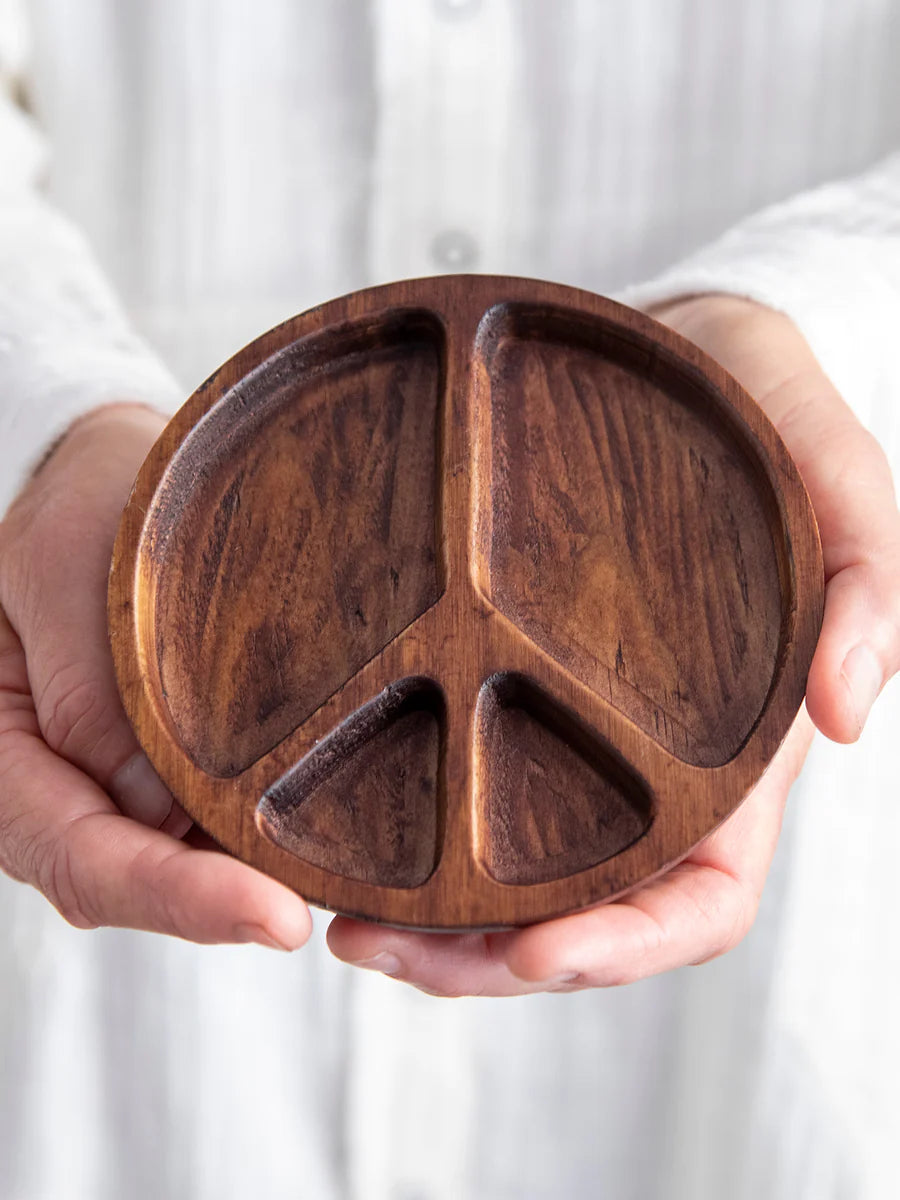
(83, 816)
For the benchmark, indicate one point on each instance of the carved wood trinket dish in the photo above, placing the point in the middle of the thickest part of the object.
(465, 602)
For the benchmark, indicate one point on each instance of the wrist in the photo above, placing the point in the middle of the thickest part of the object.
(707, 310)
(123, 422)
(760, 346)
(85, 478)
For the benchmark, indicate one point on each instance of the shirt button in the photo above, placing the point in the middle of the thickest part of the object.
(456, 8)
(454, 250)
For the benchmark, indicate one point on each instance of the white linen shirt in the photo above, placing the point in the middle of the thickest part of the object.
(193, 172)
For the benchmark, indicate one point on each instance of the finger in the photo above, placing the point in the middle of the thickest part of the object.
(60, 832)
(691, 914)
(56, 600)
(441, 964)
(700, 909)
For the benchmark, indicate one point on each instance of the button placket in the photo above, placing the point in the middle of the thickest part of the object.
(454, 9)
(442, 163)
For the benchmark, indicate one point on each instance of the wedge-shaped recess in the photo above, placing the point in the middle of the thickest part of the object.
(632, 530)
(299, 535)
(364, 802)
(553, 800)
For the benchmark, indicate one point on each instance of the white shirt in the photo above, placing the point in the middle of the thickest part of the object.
(232, 164)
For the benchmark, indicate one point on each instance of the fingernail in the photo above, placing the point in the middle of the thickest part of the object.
(177, 823)
(262, 937)
(387, 964)
(140, 793)
(557, 981)
(864, 678)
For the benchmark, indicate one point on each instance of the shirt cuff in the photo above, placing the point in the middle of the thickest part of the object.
(31, 432)
(837, 279)
(66, 346)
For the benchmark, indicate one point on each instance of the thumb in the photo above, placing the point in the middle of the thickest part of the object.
(58, 541)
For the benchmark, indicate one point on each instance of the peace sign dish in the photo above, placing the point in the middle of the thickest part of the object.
(465, 602)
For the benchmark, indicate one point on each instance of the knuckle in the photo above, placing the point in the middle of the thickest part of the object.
(57, 878)
(732, 921)
(864, 449)
(724, 908)
(170, 917)
(19, 834)
(649, 943)
(857, 461)
(152, 877)
(16, 533)
(74, 714)
(741, 924)
(877, 457)
(14, 849)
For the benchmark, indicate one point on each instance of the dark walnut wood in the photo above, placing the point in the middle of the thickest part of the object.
(465, 602)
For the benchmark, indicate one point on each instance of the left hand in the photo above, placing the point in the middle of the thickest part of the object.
(707, 903)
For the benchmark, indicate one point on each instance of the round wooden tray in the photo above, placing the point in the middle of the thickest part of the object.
(465, 602)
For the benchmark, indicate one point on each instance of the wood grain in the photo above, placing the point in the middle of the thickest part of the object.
(465, 602)
(364, 803)
(663, 589)
(554, 803)
(322, 488)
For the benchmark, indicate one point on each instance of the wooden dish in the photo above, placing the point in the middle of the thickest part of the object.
(465, 602)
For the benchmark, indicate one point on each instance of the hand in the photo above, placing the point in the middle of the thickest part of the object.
(83, 816)
(705, 905)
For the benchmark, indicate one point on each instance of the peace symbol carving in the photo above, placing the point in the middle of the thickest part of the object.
(464, 602)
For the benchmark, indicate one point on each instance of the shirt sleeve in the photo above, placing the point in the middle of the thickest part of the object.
(829, 259)
(66, 345)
